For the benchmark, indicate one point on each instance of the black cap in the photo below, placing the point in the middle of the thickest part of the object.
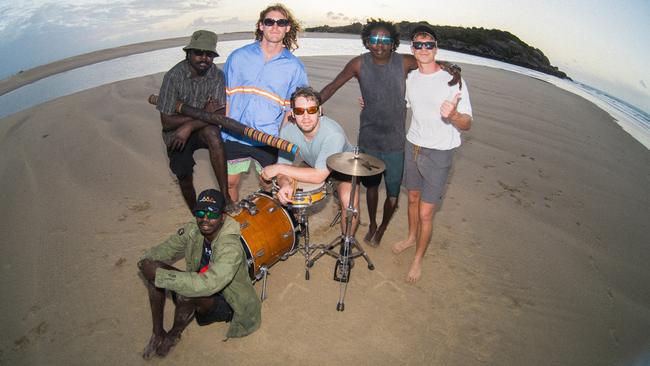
(210, 200)
(423, 29)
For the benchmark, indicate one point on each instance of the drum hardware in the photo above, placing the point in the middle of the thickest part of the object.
(306, 197)
(356, 165)
(267, 234)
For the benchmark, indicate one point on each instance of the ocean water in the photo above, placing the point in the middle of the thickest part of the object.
(630, 118)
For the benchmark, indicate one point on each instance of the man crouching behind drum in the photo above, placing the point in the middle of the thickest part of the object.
(318, 137)
(214, 287)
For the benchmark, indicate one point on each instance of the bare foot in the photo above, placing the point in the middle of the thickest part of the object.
(371, 232)
(403, 245)
(377, 238)
(167, 344)
(415, 272)
(151, 347)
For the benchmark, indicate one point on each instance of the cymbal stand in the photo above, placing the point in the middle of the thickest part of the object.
(345, 255)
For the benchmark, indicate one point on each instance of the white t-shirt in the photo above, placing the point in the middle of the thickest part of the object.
(425, 93)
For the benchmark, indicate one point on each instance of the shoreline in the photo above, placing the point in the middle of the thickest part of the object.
(525, 266)
(40, 72)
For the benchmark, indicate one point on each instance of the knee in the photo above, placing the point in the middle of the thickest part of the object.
(211, 135)
(186, 180)
(414, 197)
(233, 181)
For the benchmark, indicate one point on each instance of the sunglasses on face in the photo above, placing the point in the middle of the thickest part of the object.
(280, 22)
(200, 53)
(428, 45)
(377, 39)
(209, 214)
(300, 111)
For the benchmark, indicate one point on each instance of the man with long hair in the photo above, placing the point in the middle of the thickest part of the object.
(260, 78)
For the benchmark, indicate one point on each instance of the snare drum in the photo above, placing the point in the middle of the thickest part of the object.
(306, 194)
(267, 232)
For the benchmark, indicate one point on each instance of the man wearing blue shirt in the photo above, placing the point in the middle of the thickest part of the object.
(260, 78)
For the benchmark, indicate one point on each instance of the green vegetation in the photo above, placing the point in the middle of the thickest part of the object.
(490, 43)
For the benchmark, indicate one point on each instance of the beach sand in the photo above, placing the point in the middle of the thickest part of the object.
(539, 253)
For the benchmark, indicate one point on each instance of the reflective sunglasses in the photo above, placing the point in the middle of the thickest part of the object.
(204, 53)
(211, 215)
(300, 111)
(281, 22)
(376, 39)
(428, 45)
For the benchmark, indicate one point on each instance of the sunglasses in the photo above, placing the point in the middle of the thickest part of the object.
(280, 22)
(300, 111)
(210, 215)
(377, 39)
(204, 53)
(427, 45)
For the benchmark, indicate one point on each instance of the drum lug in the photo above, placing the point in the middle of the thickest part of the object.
(243, 225)
(272, 209)
(259, 253)
(287, 234)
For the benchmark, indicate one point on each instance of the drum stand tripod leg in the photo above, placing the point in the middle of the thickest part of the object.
(265, 272)
(307, 249)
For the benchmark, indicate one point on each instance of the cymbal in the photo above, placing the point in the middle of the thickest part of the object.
(361, 165)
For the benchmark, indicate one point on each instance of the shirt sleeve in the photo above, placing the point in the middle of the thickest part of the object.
(285, 157)
(226, 258)
(464, 105)
(167, 95)
(171, 249)
(219, 92)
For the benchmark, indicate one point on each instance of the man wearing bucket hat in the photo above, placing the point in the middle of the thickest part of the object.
(196, 82)
(215, 286)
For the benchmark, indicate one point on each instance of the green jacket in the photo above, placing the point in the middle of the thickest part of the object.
(228, 272)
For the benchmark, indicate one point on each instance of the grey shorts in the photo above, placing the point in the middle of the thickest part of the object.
(427, 170)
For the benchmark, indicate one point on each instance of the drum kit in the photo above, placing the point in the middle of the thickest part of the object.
(270, 232)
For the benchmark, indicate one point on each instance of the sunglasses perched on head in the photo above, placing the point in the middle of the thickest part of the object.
(209, 214)
(428, 45)
(300, 111)
(280, 22)
(204, 53)
(377, 39)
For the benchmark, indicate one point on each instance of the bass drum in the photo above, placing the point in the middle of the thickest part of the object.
(268, 233)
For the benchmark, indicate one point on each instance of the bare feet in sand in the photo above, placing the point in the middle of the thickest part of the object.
(403, 245)
(414, 272)
(151, 347)
(168, 342)
(372, 229)
(376, 239)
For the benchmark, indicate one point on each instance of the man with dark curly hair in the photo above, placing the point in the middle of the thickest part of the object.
(381, 73)
(260, 78)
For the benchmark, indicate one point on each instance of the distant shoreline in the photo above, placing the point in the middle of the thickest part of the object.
(34, 74)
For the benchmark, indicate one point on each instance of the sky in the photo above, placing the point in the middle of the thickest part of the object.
(600, 43)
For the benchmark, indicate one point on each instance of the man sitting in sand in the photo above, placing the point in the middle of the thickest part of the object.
(318, 137)
(197, 82)
(439, 112)
(215, 286)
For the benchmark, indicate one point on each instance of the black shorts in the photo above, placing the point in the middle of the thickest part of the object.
(182, 162)
(264, 155)
(220, 312)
